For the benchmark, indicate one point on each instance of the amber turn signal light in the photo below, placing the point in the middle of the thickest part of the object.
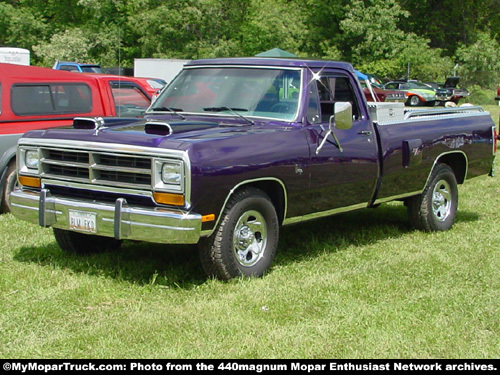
(35, 182)
(168, 198)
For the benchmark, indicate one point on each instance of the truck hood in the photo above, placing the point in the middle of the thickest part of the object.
(158, 133)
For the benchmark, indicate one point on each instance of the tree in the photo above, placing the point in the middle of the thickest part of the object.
(480, 62)
(20, 27)
(371, 34)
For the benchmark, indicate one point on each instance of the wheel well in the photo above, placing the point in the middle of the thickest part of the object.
(276, 192)
(458, 163)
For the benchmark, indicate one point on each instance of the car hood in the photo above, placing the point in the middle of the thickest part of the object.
(451, 82)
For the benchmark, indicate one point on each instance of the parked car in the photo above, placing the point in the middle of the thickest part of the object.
(417, 93)
(498, 93)
(227, 154)
(375, 92)
(39, 98)
(448, 91)
(153, 85)
(77, 67)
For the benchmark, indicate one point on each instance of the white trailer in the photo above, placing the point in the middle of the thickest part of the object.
(165, 69)
(11, 55)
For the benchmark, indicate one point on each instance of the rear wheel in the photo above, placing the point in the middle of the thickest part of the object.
(245, 242)
(435, 209)
(82, 244)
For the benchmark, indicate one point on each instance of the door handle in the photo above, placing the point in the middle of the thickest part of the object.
(365, 132)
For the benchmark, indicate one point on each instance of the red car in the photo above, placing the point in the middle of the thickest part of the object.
(38, 98)
(498, 93)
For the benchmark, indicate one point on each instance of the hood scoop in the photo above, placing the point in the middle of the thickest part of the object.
(88, 122)
(96, 123)
(164, 128)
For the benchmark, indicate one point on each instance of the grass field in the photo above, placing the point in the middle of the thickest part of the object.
(357, 285)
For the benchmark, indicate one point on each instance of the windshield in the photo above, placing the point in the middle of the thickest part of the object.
(258, 92)
(92, 69)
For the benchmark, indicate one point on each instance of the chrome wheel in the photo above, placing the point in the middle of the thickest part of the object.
(441, 200)
(436, 208)
(250, 238)
(246, 240)
(414, 100)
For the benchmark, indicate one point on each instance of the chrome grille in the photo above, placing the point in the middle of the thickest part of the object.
(98, 168)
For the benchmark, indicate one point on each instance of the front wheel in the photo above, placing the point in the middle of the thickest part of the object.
(245, 242)
(10, 183)
(435, 209)
(82, 244)
(414, 101)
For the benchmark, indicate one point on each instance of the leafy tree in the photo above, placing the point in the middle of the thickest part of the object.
(68, 45)
(480, 62)
(272, 24)
(371, 27)
(20, 27)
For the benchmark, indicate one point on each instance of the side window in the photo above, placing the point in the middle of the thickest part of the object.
(31, 100)
(72, 98)
(313, 104)
(129, 99)
(51, 99)
(332, 89)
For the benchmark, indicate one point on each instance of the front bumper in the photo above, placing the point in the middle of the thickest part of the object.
(118, 220)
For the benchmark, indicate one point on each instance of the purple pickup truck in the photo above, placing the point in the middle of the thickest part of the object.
(232, 149)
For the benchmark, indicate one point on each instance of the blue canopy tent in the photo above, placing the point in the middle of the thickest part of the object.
(361, 76)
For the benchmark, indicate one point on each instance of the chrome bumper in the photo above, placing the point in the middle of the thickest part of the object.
(118, 220)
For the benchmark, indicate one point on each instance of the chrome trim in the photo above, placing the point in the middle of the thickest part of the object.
(96, 188)
(415, 115)
(117, 219)
(207, 233)
(396, 197)
(103, 147)
(443, 111)
(318, 215)
(448, 153)
(110, 149)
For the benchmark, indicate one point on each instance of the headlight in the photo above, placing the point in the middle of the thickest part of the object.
(171, 173)
(31, 159)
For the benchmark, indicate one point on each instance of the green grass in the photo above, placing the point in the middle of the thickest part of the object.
(357, 285)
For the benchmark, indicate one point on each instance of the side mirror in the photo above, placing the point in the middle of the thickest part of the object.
(341, 119)
(343, 115)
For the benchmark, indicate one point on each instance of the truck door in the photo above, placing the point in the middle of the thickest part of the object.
(343, 173)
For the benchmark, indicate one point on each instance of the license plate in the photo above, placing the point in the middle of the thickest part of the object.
(83, 221)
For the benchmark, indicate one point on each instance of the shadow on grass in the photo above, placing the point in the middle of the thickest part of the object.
(335, 233)
(135, 262)
(178, 266)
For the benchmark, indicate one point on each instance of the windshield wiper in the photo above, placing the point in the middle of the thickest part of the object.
(233, 110)
(169, 109)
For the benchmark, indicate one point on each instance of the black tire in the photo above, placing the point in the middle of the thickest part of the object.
(246, 239)
(10, 183)
(83, 244)
(435, 209)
